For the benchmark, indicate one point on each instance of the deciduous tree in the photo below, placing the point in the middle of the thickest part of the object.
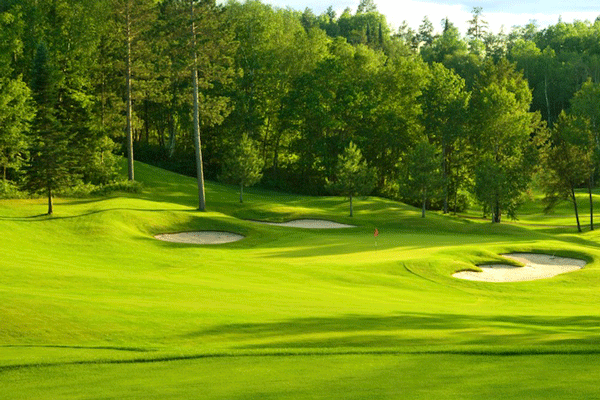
(502, 128)
(568, 161)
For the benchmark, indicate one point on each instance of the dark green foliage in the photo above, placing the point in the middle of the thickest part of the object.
(243, 164)
(353, 177)
(424, 174)
(52, 162)
(16, 113)
(568, 161)
(502, 129)
(300, 86)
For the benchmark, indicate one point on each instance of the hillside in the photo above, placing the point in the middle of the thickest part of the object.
(91, 305)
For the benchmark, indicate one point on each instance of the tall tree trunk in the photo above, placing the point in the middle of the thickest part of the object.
(171, 120)
(197, 141)
(351, 209)
(547, 99)
(424, 203)
(590, 187)
(575, 207)
(50, 205)
(129, 132)
(496, 212)
(446, 180)
(241, 191)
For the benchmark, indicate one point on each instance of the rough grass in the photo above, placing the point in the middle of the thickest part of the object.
(91, 306)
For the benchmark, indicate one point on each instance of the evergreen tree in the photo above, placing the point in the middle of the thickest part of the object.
(425, 34)
(424, 172)
(366, 6)
(133, 20)
(353, 175)
(477, 25)
(51, 164)
(243, 164)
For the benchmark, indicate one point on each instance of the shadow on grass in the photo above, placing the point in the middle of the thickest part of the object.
(389, 331)
(127, 349)
(44, 217)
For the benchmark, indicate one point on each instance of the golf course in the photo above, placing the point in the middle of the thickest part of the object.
(92, 305)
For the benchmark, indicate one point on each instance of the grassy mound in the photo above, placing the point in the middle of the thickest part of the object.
(91, 305)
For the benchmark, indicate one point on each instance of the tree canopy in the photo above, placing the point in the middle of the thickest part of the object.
(126, 77)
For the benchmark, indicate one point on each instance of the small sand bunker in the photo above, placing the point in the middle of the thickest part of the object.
(309, 224)
(201, 237)
(537, 266)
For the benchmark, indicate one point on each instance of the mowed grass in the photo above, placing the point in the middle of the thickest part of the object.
(92, 306)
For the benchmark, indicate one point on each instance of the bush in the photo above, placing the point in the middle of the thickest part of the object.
(10, 190)
(87, 189)
(118, 186)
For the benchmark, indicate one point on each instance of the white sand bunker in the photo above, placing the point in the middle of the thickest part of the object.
(309, 224)
(201, 237)
(537, 266)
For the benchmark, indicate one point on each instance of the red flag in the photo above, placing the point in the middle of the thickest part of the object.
(376, 232)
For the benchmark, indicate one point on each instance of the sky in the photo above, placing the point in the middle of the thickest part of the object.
(498, 13)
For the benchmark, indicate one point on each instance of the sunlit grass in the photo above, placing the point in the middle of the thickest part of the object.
(89, 288)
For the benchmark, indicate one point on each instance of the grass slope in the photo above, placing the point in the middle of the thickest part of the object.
(92, 306)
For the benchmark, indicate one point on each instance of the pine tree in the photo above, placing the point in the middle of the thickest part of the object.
(51, 166)
(243, 164)
(366, 6)
(424, 171)
(353, 175)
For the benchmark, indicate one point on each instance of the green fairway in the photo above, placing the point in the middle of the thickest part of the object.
(92, 306)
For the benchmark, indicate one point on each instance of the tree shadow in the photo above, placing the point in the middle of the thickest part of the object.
(380, 331)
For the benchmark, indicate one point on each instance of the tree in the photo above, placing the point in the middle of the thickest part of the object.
(200, 45)
(51, 165)
(477, 25)
(424, 171)
(586, 104)
(243, 164)
(366, 6)
(502, 131)
(16, 114)
(425, 33)
(446, 45)
(568, 161)
(196, 112)
(445, 104)
(133, 18)
(353, 175)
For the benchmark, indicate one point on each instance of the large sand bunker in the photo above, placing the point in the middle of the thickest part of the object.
(537, 266)
(201, 237)
(309, 224)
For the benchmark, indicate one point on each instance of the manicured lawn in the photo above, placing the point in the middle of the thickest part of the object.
(92, 306)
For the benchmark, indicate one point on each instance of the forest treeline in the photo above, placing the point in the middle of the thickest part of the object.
(298, 101)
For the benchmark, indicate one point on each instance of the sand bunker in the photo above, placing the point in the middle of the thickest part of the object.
(201, 237)
(537, 266)
(309, 224)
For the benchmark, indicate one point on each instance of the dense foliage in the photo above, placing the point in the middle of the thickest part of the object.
(301, 87)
